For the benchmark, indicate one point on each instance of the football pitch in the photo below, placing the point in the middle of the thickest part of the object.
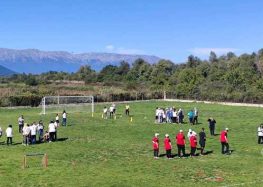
(92, 151)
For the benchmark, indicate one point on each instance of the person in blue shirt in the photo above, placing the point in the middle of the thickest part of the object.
(191, 117)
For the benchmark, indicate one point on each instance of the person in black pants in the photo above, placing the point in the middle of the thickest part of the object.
(260, 134)
(202, 139)
(212, 124)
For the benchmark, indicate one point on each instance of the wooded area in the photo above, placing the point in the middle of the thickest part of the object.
(224, 78)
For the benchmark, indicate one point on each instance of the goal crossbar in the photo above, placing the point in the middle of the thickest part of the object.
(67, 101)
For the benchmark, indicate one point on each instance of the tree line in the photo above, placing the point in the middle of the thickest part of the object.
(220, 78)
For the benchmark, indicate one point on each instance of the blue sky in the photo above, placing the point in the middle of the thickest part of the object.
(171, 29)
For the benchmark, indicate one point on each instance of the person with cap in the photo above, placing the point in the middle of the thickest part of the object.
(193, 144)
(212, 124)
(180, 141)
(9, 135)
(168, 146)
(202, 140)
(224, 141)
(155, 142)
(260, 134)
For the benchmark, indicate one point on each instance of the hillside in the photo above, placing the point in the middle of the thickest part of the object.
(36, 61)
(5, 71)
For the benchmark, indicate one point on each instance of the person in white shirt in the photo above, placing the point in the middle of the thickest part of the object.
(191, 133)
(105, 112)
(57, 119)
(56, 128)
(51, 130)
(20, 123)
(1, 132)
(111, 111)
(26, 134)
(33, 129)
(260, 134)
(9, 135)
(40, 129)
(64, 118)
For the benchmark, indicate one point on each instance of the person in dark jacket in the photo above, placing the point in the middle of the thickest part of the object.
(212, 125)
(202, 140)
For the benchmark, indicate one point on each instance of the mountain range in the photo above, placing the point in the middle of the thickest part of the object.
(36, 61)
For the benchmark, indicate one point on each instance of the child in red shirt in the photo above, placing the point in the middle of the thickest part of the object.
(168, 146)
(155, 142)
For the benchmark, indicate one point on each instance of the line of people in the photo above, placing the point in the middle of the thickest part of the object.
(192, 138)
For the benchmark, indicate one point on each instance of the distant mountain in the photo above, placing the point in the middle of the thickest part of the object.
(5, 71)
(36, 61)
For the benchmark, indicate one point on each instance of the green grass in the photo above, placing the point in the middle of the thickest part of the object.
(110, 152)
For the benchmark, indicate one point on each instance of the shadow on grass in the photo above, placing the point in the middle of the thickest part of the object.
(61, 139)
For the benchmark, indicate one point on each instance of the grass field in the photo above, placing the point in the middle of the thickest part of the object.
(98, 152)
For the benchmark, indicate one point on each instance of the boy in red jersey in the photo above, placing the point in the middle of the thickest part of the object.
(168, 146)
(224, 141)
(193, 144)
(180, 141)
(155, 142)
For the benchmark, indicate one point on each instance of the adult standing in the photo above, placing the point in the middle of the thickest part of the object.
(168, 146)
(195, 116)
(64, 118)
(20, 123)
(33, 129)
(9, 135)
(127, 109)
(180, 141)
(26, 134)
(193, 144)
(202, 140)
(224, 141)
(191, 117)
(51, 130)
(40, 129)
(260, 134)
(155, 142)
(212, 125)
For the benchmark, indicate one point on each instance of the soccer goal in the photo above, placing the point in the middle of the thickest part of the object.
(56, 104)
(33, 160)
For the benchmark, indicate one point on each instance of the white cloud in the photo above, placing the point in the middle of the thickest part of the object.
(109, 47)
(206, 51)
(122, 50)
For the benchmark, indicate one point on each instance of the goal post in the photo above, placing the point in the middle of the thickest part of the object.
(56, 104)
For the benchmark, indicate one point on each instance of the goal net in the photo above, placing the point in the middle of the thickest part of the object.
(56, 104)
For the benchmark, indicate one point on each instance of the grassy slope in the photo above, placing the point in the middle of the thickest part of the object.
(118, 153)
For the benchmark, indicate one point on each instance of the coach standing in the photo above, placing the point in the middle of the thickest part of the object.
(212, 124)
(224, 141)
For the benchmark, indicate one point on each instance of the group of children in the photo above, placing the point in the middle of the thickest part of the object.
(111, 111)
(192, 138)
(172, 115)
(30, 132)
